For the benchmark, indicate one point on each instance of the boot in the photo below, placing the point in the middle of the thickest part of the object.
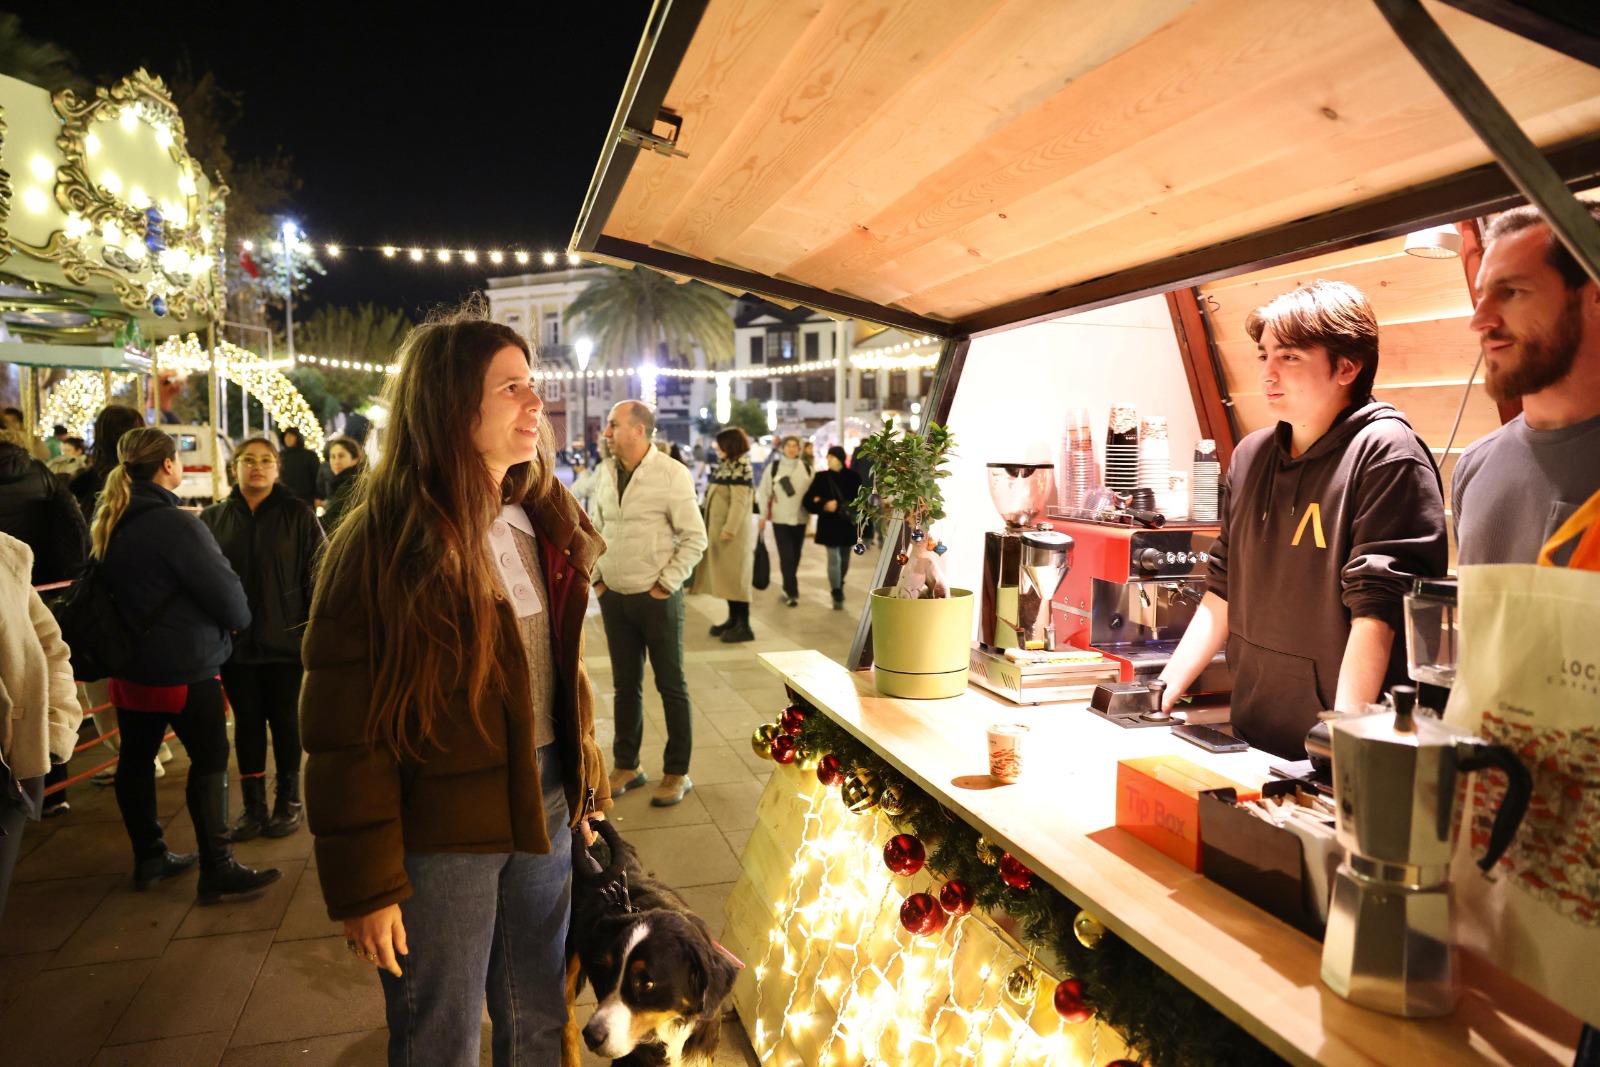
(287, 810)
(721, 628)
(838, 600)
(146, 873)
(741, 632)
(253, 819)
(220, 874)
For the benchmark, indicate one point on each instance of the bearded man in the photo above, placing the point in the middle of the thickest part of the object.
(1538, 318)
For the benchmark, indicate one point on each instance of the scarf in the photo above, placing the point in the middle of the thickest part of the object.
(734, 472)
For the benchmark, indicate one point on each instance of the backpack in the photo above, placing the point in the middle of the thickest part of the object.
(101, 642)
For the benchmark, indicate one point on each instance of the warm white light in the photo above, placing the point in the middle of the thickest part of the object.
(389, 251)
(138, 198)
(76, 225)
(470, 256)
(112, 183)
(91, 143)
(574, 259)
(163, 137)
(495, 257)
(175, 213)
(522, 257)
(549, 259)
(111, 233)
(277, 246)
(134, 249)
(444, 255)
(186, 184)
(583, 348)
(130, 121)
(249, 246)
(333, 250)
(42, 168)
(416, 255)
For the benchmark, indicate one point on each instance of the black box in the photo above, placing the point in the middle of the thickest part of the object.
(1263, 863)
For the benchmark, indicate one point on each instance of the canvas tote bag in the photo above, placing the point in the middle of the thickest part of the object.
(1528, 676)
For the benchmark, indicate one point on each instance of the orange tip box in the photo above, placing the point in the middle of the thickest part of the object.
(1158, 801)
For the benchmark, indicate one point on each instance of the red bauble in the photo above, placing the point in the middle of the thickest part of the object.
(921, 914)
(783, 748)
(904, 854)
(1123, 1063)
(956, 898)
(1013, 872)
(793, 717)
(1069, 1002)
(829, 770)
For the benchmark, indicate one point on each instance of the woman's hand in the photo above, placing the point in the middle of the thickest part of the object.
(586, 828)
(832, 505)
(378, 938)
(761, 526)
(725, 537)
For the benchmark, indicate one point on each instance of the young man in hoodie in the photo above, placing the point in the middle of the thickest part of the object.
(1326, 519)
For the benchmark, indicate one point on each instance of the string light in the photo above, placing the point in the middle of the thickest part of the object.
(444, 255)
(74, 402)
(262, 379)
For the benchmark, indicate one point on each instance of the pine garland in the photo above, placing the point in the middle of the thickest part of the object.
(1159, 1018)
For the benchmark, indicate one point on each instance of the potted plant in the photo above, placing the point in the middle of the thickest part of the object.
(921, 628)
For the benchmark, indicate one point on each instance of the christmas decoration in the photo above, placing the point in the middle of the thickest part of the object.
(893, 799)
(956, 898)
(1088, 930)
(859, 549)
(783, 748)
(921, 914)
(829, 770)
(793, 717)
(761, 740)
(858, 792)
(1123, 1063)
(903, 854)
(1013, 872)
(918, 535)
(1069, 1002)
(987, 853)
(1022, 985)
(805, 754)
(900, 558)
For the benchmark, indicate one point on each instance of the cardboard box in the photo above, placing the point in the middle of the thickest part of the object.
(1158, 802)
(1272, 867)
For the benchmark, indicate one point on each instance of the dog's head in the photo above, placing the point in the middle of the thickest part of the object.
(658, 980)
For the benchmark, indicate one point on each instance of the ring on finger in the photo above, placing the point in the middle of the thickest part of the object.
(352, 946)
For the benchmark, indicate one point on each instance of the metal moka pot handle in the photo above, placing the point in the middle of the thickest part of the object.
(1473, 755)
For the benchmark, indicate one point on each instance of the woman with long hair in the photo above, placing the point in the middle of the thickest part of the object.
(113, 421)
(729, 561)
(348, 461)
(829, 497)
(271, 539)
(781, 500)
(182, 600)
(446, 711)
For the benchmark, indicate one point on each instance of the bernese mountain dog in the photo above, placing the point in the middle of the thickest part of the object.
(659, 979)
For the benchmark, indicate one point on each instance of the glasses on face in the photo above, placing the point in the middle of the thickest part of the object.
(264, 462)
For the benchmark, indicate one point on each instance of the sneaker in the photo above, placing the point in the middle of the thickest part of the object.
(161, 770)
(671, 790)
(792, 601)
(626, 778)
(53, 810)
(164, 753)
(737, 634)
(106, 777)
(721, 628)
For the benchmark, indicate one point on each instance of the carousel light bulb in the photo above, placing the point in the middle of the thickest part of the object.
(76, 225)
(206, 236)
(134, 249)
(35, 201)
(522, 257)
(129, 119)
(91, 144)
(186, 184)
(42, 168)
(163, 137)
(177, 214)
(112, 183)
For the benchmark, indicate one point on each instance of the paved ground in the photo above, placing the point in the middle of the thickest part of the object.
(93, 973)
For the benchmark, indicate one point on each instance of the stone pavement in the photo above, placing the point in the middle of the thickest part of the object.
(92, 973)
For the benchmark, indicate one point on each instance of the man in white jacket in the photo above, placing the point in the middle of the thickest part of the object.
(645, 508)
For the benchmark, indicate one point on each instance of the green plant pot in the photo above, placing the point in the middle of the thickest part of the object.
(920, 648)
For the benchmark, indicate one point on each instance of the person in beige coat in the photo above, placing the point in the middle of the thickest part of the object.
(730, 555)
(39, 712)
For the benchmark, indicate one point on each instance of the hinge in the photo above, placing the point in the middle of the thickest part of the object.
(666, 146)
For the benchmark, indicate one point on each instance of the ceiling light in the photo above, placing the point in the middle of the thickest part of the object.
(1438, 242)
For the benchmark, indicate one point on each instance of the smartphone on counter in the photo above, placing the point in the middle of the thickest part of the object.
(1210, 739)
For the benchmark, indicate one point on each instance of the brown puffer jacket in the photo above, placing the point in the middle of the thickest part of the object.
(368, 809)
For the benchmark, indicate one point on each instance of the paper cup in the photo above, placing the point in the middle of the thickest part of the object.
(1005, 751)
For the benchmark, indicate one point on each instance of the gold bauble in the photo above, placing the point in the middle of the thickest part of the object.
(805, 754)
(893, 799)
(987, 853)
(1088, 930)
(1022, 986)
(761, 740)
(859, 791)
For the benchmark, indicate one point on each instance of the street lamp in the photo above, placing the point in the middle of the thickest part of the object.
(290, 234)
(583, 348)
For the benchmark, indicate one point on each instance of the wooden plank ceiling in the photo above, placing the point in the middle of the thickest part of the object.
(950, 157)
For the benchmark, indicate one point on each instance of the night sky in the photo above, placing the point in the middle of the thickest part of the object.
(408, 124)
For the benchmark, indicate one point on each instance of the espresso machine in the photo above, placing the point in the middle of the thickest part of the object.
(1399, 780)
(1018, 653)
(1132, 592)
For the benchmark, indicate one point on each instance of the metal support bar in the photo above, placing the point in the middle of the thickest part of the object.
(1519, 157)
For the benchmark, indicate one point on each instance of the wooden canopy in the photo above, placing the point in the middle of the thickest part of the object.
(962, 166)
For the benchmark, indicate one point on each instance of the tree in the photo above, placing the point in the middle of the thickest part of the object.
(749, 417)
(639, 314)
(363, 334)
(37, 62)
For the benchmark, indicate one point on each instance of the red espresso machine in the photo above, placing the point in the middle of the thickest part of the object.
(1131, 594)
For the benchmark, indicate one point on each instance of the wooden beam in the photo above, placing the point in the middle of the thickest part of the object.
(1212, 408)
(1571, 28)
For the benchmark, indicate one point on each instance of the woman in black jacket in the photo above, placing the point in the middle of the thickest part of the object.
(271, 539)
(829, 499)
(348, 463)
(113, 421)
(181, 598)
(37, 510)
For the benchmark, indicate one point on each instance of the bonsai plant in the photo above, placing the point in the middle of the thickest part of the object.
(921, 628)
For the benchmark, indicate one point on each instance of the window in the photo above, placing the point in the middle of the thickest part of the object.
(552, 328)
(897, 388)
(791, 389)
(820, 389)
(758, 350)
(813, 346)
(550, 389)
(780, 344)
(869, 385)
(760, 390)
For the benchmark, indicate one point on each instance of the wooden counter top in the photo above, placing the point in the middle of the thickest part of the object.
(1060, 820)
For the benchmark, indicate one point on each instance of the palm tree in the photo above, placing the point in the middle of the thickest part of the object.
(363, 334)
(641, 314)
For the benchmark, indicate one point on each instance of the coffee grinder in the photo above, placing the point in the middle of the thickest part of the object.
(1399, 780)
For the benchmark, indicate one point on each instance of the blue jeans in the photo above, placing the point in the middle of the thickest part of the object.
(838, 565)
(485, 925)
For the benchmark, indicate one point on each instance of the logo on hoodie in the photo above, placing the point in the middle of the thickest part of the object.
(1313, 516)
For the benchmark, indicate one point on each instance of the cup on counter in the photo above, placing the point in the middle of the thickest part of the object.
(1006, 743)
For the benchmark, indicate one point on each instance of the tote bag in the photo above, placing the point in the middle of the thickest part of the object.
(761, 573)
(1528, 676)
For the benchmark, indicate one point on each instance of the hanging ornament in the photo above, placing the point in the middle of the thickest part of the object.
(859, 791)
(892, 799)
(956, 898)
(829, 770)
(1022, 985)
(1088, 930)
(921, 914)
(917, 534)
(859, 549)
(903, 854)
(783, 748)
(761, 740)
(1013, 872)
(900, 558)
(1069, 1002)
(793, 717)
(805, 754)
(940, 549)
(987, 853)
(1123, 1063)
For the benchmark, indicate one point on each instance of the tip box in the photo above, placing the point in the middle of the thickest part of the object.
(1158, 801)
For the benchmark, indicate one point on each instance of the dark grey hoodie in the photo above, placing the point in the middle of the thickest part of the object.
(1310, 543)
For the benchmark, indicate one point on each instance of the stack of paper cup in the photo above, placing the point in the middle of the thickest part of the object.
(1204, 482)
(1122, 449)
(1174, 502)
(1155, 454)
(1075, 470)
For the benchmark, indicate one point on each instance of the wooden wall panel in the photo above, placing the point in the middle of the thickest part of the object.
(1430, 410)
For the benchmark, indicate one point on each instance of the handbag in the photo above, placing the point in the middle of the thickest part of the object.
(761, 573)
